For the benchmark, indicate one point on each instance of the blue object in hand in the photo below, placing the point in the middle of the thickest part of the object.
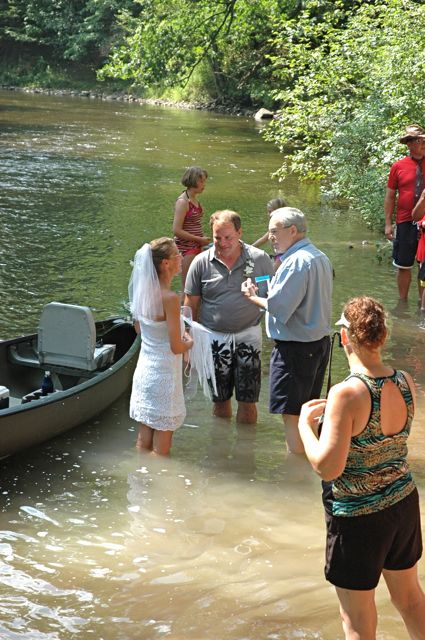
(263, 284)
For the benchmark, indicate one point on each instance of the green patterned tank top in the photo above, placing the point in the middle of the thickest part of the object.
(376, 474)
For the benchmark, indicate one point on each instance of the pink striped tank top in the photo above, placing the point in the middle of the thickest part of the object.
(191, 224)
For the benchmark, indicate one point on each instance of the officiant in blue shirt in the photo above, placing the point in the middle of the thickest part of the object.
(298, 319)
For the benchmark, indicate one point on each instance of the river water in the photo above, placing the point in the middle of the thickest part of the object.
(225, 539)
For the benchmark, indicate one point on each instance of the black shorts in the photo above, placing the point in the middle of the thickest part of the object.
(358, 548)
(237, 364)
(297, 371)
(405, 245)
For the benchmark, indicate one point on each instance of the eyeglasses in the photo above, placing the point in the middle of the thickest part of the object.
(275, 230)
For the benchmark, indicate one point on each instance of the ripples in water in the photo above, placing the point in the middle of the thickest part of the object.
(225, 539)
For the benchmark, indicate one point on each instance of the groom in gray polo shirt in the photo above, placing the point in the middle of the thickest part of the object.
(213, 291)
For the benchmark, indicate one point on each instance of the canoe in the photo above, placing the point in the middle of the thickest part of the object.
(82, 390)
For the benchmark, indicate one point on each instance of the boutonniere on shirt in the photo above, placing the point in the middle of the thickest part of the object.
(249, 267)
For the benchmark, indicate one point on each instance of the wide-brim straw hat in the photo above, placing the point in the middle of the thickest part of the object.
(413, 131)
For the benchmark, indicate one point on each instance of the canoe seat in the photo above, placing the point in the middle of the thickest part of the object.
(67, 338)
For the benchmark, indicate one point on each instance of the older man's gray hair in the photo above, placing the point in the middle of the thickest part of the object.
(288, 216)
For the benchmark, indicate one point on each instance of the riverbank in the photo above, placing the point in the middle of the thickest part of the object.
(95, 94)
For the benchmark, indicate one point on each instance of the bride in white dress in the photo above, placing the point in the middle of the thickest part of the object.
(157, 401)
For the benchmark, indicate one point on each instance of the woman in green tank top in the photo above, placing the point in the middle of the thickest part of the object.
(370, 499)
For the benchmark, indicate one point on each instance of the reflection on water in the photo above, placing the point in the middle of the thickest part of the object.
(224, 539)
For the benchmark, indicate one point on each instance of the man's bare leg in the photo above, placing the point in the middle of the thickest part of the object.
(404, 278)
(422, 298)
(247, 412)
(222, 409)
(294, 443)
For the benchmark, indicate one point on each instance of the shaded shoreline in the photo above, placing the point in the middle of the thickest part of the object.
(111, 96)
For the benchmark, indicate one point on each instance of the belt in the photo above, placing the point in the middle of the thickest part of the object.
(299, 341)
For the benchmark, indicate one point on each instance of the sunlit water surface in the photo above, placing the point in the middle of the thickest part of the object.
(225, 539)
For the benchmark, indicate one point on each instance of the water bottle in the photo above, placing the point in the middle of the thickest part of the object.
(47, 384)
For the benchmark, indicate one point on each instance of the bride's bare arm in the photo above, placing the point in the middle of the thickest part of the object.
(178, 343)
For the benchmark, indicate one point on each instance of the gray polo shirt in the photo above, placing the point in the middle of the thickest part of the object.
(223, 306)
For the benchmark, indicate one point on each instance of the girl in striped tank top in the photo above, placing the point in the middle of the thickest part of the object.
(187, 226)
(370, 498)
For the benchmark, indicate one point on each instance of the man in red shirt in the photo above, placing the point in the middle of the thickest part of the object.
(407, 180)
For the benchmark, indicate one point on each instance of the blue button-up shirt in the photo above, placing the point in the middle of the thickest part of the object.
(299, 304)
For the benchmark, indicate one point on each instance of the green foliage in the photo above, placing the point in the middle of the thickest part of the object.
(228, 39)
(245, 67)
(350, 82)
(37, 74)
(72, 30)
(347, 75)
(37, 71)
(384, 251)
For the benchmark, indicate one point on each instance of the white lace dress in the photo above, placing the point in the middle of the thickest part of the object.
(157, 393)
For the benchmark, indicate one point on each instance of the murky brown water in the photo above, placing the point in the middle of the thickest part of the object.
(225, 538)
